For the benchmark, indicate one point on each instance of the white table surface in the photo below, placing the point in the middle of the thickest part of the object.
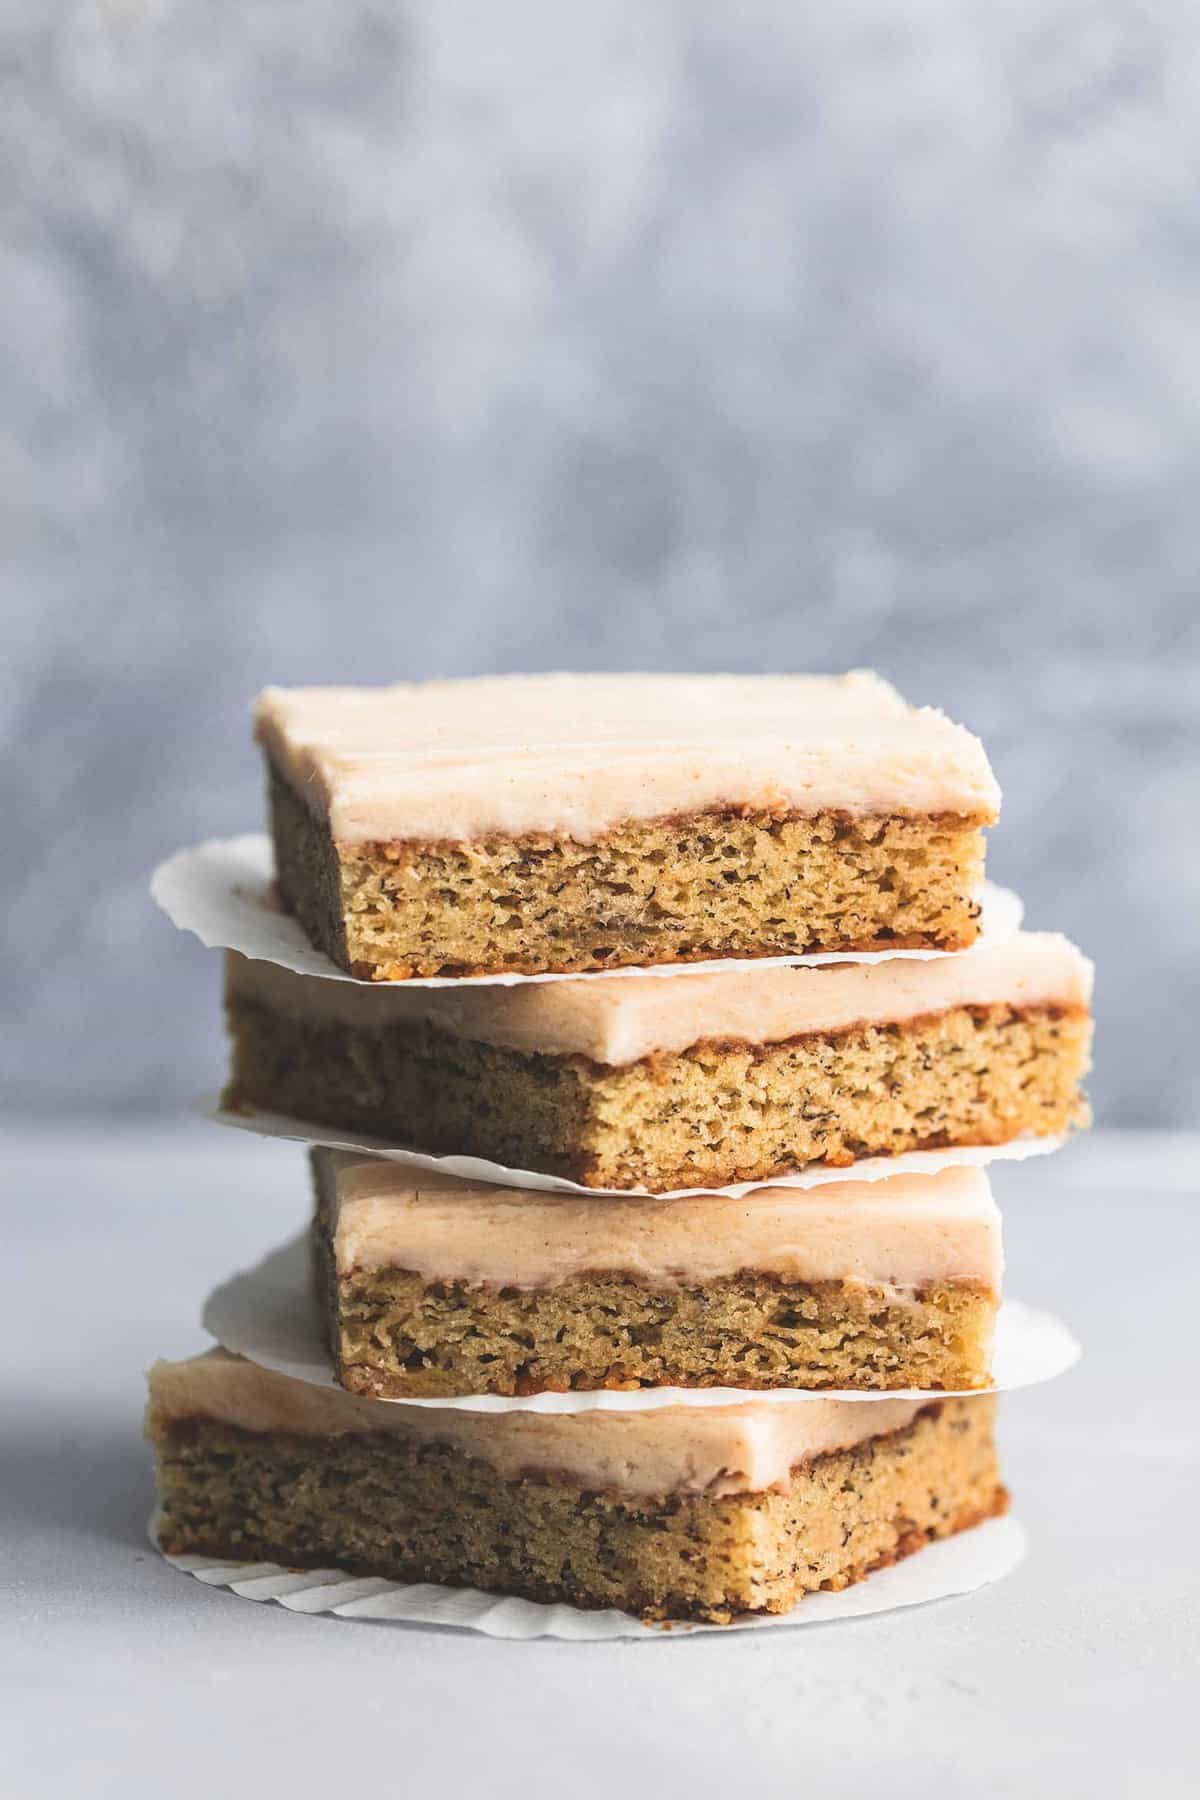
(118, 1676)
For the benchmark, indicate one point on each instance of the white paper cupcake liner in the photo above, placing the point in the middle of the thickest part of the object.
(478, 1168)
(270, 1315)
(223, 892)
(953, 1566)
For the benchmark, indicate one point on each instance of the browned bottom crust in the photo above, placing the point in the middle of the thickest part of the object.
(715, 1114)
(377, 1505)
(717, 883)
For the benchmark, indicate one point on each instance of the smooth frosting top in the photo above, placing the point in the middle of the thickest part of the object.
(903, 1232)
(575, 755)
(619, 1022)
(693, 1449)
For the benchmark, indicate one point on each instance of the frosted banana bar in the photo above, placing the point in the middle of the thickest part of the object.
(578, 822)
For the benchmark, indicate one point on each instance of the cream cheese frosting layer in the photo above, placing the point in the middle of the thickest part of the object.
(715, 1450)
(576, 755)
(903, 1233)
(620, 1022)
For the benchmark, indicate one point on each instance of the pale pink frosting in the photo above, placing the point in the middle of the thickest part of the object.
(620, 1021)
(902, 1233)
(693, 1449)
(575, 755)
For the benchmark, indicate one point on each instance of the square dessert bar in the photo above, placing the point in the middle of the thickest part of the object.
(693, 1080)
(437, 1287)
(687, 1512)
(578, 822)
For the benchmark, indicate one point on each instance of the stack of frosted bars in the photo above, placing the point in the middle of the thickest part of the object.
(607, 840)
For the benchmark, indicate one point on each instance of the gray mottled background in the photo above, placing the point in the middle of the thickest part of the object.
(350, 339)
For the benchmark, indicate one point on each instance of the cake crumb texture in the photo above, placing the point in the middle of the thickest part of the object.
(715, 1114)
(717, 883)
(376, 1504)
(395, 1335)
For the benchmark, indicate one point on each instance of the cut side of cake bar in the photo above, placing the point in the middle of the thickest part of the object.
(659, 1083)
(687, 1513)
(578, 822)
(437, 1287)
